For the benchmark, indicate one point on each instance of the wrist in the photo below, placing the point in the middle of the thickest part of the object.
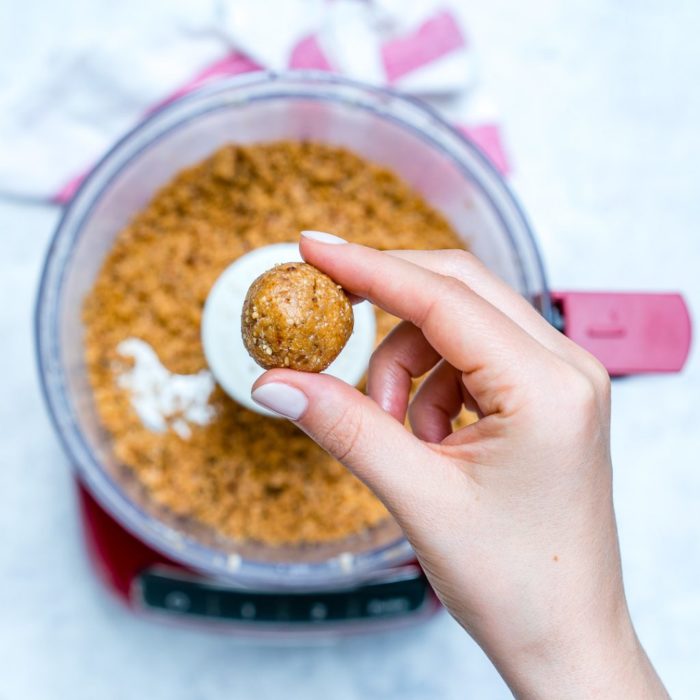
(592, 658)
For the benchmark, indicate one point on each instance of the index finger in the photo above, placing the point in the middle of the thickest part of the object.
(471, 334)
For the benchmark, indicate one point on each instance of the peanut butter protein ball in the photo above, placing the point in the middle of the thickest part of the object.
(295, 316)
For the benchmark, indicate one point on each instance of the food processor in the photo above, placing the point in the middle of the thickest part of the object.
(167, 566)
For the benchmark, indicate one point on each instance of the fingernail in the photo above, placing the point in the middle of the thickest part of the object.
(323, 237)
(286, 400)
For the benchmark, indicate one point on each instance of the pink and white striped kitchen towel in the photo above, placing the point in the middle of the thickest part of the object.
(87, 94)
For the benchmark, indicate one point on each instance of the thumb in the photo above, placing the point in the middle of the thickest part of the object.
(350, 426)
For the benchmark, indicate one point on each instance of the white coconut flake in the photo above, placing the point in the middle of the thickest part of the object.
(163, 399)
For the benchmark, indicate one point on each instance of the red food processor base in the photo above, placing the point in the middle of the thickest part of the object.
(150, 583)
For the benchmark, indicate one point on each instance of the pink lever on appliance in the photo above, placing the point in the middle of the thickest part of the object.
(628, 333)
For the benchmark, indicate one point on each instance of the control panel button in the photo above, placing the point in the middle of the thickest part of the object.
(177, 600)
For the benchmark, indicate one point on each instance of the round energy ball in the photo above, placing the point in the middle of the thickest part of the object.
(295, 316)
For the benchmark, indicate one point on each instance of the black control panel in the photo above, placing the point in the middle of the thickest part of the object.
(169, 591)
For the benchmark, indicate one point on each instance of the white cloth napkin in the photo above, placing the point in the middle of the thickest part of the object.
(75, 75)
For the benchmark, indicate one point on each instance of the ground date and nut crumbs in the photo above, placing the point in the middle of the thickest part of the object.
(246, 476)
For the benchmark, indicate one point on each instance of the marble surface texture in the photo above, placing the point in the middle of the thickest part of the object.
(601, 110)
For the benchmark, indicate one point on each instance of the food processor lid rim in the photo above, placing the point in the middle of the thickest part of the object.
(264, 77)
(153, 531)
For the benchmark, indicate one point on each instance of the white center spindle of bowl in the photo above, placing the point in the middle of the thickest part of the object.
(229, 361)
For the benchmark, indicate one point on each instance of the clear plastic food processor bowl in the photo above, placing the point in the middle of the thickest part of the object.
(378, 124)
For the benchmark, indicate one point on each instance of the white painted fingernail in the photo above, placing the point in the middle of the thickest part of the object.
(286, 400)
(323, 237)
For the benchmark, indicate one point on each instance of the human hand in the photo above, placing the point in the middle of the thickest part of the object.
(511, 517)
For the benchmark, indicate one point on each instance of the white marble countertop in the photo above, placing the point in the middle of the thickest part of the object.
(601, 111)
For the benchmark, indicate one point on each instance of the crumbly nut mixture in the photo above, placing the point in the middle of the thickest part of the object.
(246, 476)
(295, 316)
